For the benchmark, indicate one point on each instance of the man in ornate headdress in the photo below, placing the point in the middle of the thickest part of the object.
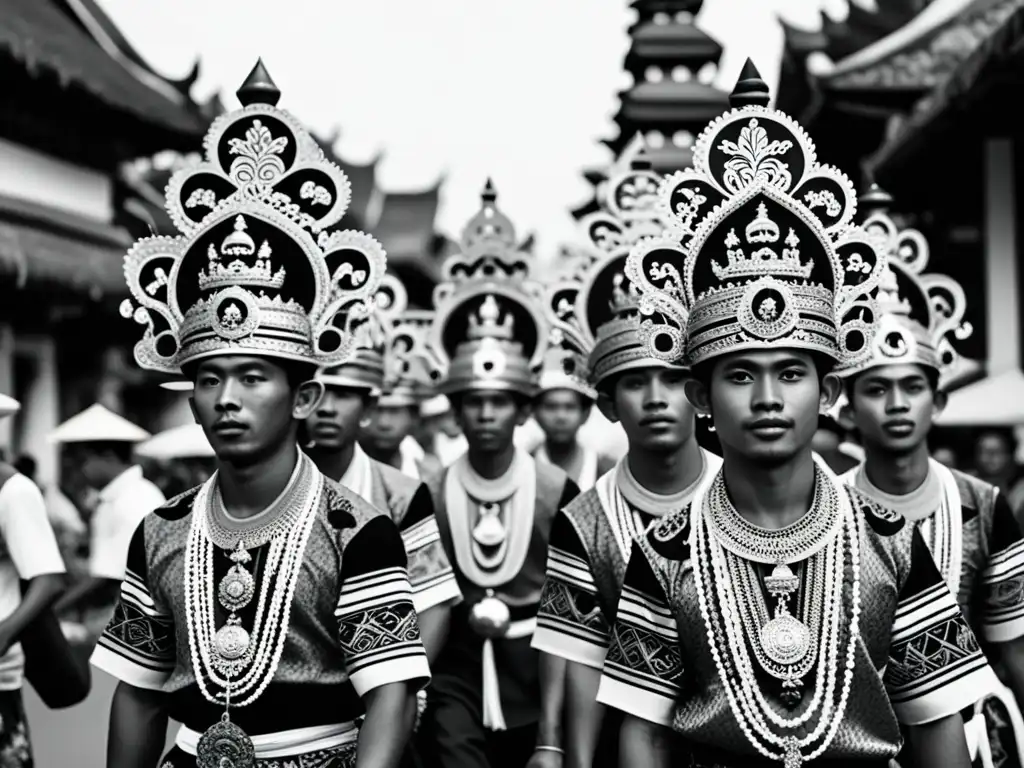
(251, 600)
(494, 504)
(409, 373)
(350, 392)
(561, 407)
(782, 617)
(893, 395)
(596, 315)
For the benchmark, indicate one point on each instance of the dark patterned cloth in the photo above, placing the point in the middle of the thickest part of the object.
(339, 757)
(352, 625)
(15, 745)
(917, 659)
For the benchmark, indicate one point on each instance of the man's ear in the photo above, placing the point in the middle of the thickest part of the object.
(606, 405)
(307, 398)
(698, 395)
(522, 414)
(831, 389)
(939, 402)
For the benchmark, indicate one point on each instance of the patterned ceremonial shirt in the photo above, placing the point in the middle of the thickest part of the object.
(916, 661)
(352, 626)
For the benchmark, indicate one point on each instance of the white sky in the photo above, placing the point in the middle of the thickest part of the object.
(520, 90)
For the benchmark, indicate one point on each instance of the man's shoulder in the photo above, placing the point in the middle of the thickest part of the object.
(974, 492)
(346, 510)
(586, 503)
(880, 518)
(177, 507)
(394, 480)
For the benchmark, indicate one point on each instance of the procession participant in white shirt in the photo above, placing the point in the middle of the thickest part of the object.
(103, 443)
(29, 553)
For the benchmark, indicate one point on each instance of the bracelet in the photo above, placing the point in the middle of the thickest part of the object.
(557, 750)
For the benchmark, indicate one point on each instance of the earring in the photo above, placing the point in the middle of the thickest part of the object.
(711, 426)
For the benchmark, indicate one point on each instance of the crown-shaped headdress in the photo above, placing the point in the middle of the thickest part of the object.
(366, 366)
(594, 311)
(760, 250)
(489, 327)
(256, 269)
(411, 369)
(919, 314)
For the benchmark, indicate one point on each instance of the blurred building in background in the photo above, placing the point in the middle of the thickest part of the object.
(89, 136)
(672, 63)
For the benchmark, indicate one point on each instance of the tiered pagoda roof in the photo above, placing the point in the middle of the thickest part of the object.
(673, 64)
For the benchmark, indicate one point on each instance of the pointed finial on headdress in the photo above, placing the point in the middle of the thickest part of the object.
(258, 87)
(490, 194)
(641, 161)
(875, 199)
(750, 88)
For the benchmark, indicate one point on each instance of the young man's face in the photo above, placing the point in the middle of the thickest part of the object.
(389, 426)
(334, 423)
(992, 454)
(247, 407)
(893, 407)
(651, 405)
(765, 404)
(561, 413)
(489, 419)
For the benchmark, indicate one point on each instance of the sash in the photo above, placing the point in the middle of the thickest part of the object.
(358, 477)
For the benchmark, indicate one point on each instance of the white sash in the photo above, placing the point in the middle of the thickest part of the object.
(358, 478)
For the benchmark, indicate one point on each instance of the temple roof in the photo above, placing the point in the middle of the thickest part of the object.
(50, 36)
(406, 223)
(670, 104)
(667, 44)
(926, 51)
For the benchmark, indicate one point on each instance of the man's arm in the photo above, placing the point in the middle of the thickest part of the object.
(82, 591)
(434, 624)
(549, 729)
(387, 727)
(1000, 584)
(940, 742)
(644, 743)
(378, 633)
(138, 727)
(41, 592)
(583, 715)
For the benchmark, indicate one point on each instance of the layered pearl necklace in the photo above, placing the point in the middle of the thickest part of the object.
(239, 662)
(732, 605)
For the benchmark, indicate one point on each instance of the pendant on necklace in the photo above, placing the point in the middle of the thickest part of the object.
(785, 639)
(232, 640)
(792, 757)
(237, 588)
(792, 692)
(225, 745)
(489, 532)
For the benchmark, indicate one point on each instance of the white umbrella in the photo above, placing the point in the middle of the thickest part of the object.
(994, 401)
(184, 442)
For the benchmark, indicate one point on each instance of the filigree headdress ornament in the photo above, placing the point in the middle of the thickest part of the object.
(411, 369)
(489, 328)
(760, 251)
(919, 314)
(256, 269)
(594, 311)
(366, 366)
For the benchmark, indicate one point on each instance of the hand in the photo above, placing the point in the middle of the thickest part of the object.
(545, 758)
(6, 641)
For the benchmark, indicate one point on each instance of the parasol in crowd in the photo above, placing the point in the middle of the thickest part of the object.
(184, 442)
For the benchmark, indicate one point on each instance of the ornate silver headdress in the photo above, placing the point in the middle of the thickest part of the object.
(760, 250)
(919, 314)
(366, 366)
(489, 327)
(594, 311)
(255, 269)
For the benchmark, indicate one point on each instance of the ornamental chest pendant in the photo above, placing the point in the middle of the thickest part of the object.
(792, 757)
(490, 618)
(231, 642)
(785, 640)
(225, 745)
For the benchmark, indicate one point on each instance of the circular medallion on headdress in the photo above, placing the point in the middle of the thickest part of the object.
(233, 313)
(768, 309)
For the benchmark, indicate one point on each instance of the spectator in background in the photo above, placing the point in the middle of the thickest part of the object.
(64, 517)
(994, 463)
(945, 455)
(827, 442)
(102, 443)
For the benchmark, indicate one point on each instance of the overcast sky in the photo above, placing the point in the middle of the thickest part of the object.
(521, 90)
